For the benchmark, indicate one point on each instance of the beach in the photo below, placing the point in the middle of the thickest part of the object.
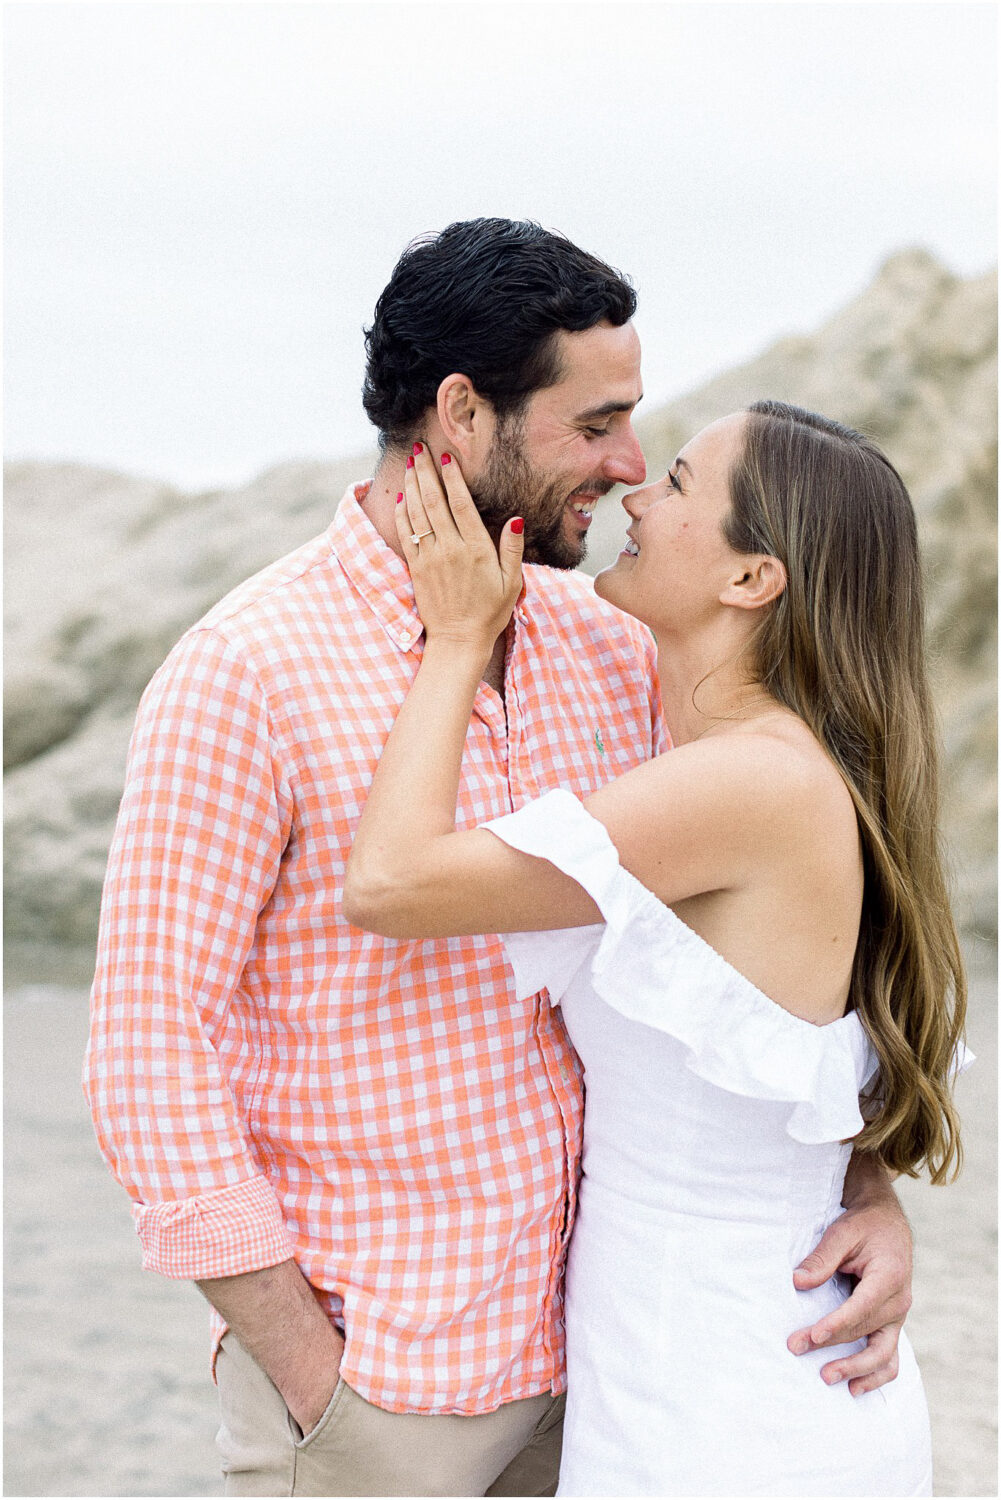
(107, 1384)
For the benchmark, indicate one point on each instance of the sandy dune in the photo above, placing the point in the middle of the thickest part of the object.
(107, 1388)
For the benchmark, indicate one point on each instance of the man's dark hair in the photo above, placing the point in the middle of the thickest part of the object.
(483, 298)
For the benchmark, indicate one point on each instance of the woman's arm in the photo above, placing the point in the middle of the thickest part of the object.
(687, 822)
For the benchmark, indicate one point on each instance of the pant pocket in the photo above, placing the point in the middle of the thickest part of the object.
(336, 1457)
(254, 1444)
(303, 1440)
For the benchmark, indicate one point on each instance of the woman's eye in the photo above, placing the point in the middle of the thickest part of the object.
(675, 481)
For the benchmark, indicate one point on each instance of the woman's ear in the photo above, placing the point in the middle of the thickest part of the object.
(760, 580)
(466, 420)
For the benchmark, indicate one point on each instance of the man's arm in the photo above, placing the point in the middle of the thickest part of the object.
(275, 1315)
(203, 824)
(872, 1241)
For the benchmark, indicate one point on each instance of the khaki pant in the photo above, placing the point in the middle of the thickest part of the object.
(359, 1449)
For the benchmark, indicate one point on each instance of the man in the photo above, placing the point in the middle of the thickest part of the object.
(364, 1151)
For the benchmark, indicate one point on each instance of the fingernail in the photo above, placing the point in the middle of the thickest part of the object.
(446, 458)
(399, 497)
(418, 448)
(800, 1345)
(831, 1377)
(517, 525)
(410, 463)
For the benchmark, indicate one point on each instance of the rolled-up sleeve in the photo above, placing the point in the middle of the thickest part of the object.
(203, 823)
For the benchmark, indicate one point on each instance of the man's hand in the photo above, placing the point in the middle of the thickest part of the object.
(872, 1241)
(276, 1317)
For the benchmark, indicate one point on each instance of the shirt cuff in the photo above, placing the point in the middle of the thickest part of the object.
(226, 1233)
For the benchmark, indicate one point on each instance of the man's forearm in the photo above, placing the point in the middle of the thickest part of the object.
(275, 1315)
(867, 1180)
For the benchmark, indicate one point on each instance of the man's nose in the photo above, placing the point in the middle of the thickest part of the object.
(626, 464)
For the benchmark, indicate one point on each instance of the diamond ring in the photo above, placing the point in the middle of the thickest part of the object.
(417, 536)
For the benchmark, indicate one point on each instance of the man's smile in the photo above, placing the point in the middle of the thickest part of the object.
(582, 502)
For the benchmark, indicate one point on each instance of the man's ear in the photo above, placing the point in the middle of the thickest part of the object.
(466, 420)
(760, 579)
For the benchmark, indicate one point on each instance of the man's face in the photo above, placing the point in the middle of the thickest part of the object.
(570, 445)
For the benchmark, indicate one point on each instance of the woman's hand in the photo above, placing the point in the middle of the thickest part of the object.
(466, 588)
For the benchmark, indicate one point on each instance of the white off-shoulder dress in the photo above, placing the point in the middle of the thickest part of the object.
(716, 1136)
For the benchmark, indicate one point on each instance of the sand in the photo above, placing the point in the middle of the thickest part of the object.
(107, 1384)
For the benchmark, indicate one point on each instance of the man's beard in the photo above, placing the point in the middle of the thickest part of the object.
(510, 487)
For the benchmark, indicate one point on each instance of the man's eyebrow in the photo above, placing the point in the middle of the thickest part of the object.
(608, 409)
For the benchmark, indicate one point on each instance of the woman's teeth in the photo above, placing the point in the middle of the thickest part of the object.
(631, 549)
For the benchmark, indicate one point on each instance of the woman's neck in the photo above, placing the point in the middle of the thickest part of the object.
(705, 688)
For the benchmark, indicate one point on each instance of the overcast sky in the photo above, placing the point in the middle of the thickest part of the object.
(203, 201)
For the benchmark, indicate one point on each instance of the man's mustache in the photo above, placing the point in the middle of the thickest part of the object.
(598, 487)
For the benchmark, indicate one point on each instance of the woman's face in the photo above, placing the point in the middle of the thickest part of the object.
(676, 561)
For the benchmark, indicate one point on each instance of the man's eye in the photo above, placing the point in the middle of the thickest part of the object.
(596, 431)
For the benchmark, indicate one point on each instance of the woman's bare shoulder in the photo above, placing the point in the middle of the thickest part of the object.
(724, 809)
(775, 762)
(802, 773)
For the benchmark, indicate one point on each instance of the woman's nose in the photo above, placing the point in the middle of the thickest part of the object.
(635, 503)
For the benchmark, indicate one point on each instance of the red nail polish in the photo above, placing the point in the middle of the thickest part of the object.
(410, 463)
(446, 458)
(517, 525)
(399, 498)
(418, 448)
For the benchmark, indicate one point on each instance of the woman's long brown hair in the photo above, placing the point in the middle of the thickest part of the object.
(843, 647)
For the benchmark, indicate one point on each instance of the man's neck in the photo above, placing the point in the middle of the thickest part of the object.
(380, 502)
(493, 674)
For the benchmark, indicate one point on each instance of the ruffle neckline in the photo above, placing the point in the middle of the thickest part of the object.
(654, 969)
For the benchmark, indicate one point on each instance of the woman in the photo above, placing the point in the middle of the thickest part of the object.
(748, 935)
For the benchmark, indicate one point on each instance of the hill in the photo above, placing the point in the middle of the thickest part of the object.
(105, 572)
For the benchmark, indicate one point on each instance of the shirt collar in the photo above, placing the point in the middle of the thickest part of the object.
(374, 569)
(381, 577)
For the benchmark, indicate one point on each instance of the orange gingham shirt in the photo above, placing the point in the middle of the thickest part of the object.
(267, 1081)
